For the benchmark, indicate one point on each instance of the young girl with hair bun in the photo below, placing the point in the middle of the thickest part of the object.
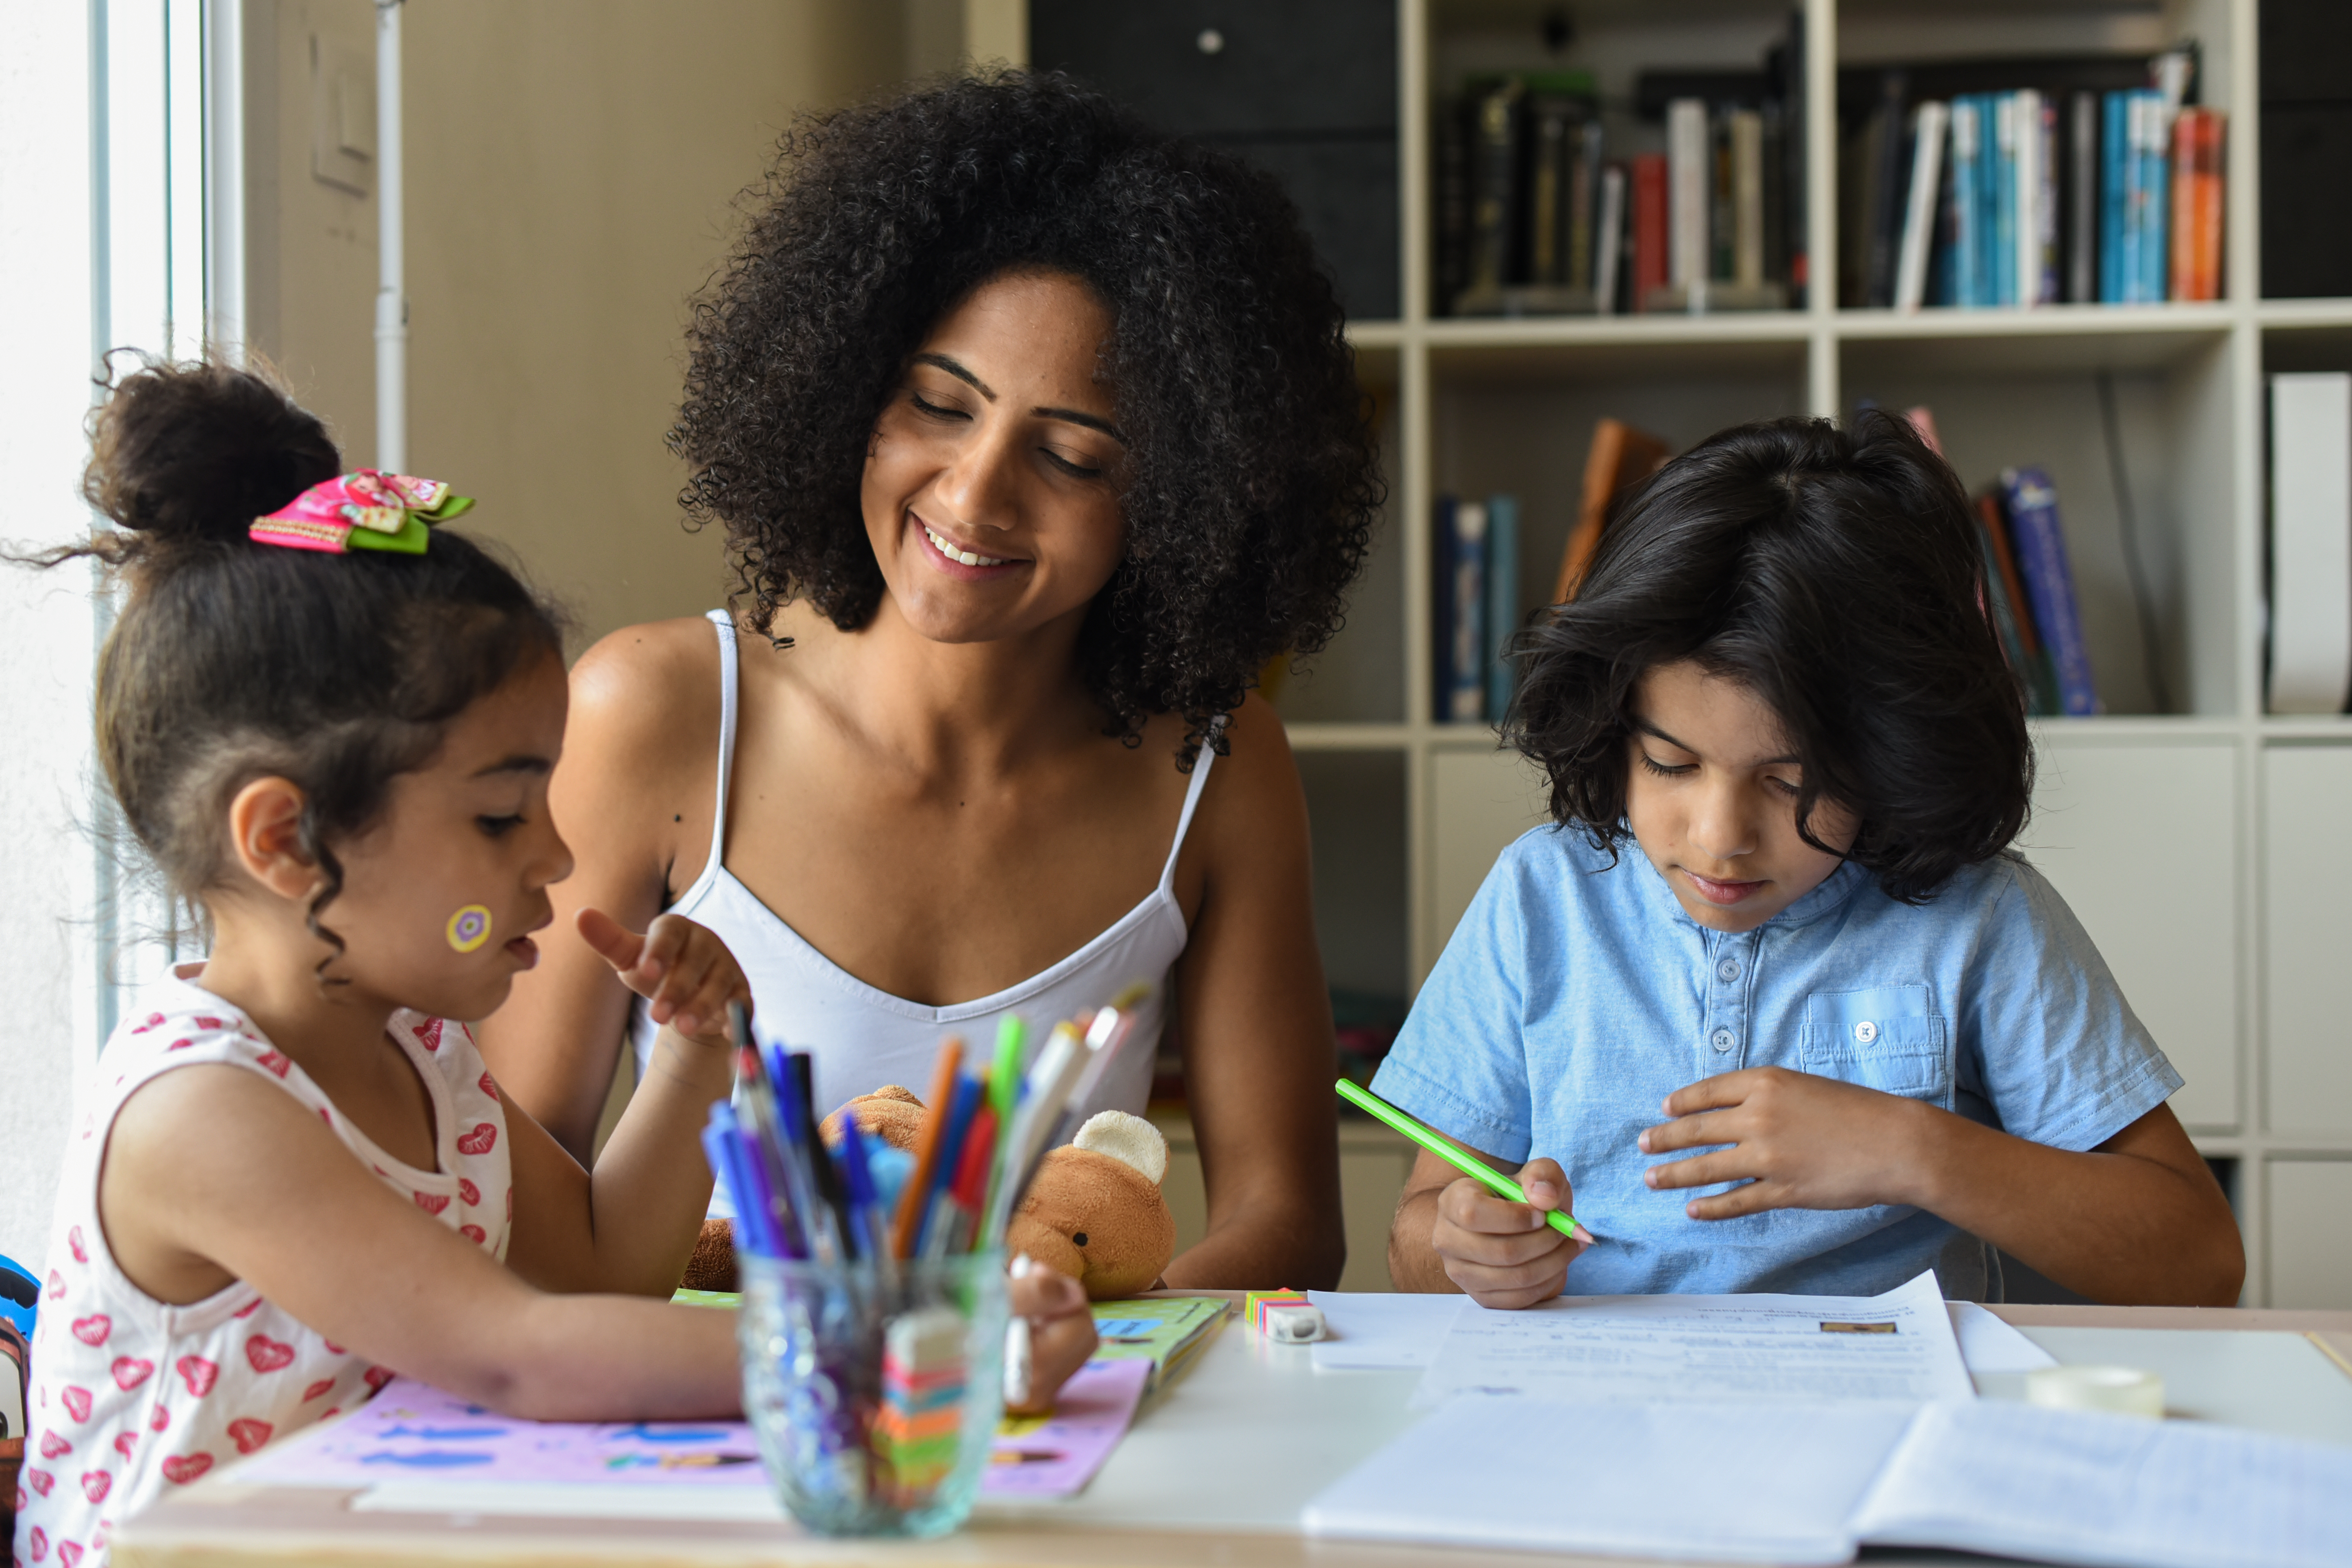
(331, 724)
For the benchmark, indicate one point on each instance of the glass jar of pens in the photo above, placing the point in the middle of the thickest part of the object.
(874, 1323)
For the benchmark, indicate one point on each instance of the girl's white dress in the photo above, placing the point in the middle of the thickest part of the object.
(130, 1395)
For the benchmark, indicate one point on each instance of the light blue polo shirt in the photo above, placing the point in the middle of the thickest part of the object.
(1575, 996)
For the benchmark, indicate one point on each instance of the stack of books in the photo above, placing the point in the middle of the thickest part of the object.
(2034, 196)
(1549, 202)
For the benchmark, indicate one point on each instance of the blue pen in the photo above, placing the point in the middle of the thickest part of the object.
(864, 1213)
(723, 1144)
(819, 1233)
(961, 1111)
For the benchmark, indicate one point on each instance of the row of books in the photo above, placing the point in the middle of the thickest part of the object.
(2032, 196)
(2029, 580)
(1550, 203)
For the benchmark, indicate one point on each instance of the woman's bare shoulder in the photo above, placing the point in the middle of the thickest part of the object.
(1253, 787)
(647, 694)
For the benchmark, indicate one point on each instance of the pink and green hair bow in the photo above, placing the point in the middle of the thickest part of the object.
(362, 510)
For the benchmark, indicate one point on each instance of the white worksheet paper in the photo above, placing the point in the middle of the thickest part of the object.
(1988, 1344)
(1895, 1347)
(1383, 1331)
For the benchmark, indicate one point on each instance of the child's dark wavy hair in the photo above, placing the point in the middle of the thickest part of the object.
(1254, 476)
(1837, 575)
(231, 661)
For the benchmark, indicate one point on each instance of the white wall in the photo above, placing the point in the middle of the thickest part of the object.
(48, 876)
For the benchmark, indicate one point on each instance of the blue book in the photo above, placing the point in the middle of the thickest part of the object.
(2156, 178)
(1441, 608)
(2004, 228)
(1966, 267)
(2040, 544)
(1502, 601)
(1466, 687)
(2113, 196)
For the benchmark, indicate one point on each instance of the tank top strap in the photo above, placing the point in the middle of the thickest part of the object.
(729, 682)
(1192, 804)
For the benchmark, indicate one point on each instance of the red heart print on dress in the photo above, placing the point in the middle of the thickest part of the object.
(333, 1348)
(275, 1061)
(431, 1202)
(129, 1371)
(73, 1245)
(210, 1023)
(160, 1419)
(197, 1373)
(41, 1481)
(480, 1141)
(93, 1329)
(247, 1309)
(317, 1389)
(124, 1441)
(154, 1021)
(40, 1543)
(467, 1193)
(429, 1033)
(96, 1484)
(473, 1233)
(76, 1403)
(268, 1355)
(180, 1045)
(69, 1552)
(54, 1447)
(489, 1086)
(249, 1433)
(56, 1285)
(377, 1376)
(182, 1468)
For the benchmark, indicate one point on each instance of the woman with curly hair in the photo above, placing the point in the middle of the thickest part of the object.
(1035, 435)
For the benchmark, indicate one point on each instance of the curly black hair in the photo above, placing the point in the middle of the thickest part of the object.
(1255, 479)
(1836, 574)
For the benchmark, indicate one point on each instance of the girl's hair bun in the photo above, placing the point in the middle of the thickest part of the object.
(195, 452)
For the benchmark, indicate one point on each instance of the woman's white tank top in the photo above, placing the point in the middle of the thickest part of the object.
(863, 1037)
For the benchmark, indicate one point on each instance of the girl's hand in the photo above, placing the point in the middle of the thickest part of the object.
(1061, 1331)
(685, 972)
(1800, 1140)
(1505, 1254)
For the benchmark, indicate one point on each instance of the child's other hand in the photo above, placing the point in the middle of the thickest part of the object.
(1800, 1140)
(1504, 1254)
(1061, 1331)
(685, 972)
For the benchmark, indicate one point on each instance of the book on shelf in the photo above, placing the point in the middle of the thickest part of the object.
(2311, 542)
(2079, 183)
(1476, 608)
(1548, 202)
(2039, 540)
(1501, 601)
(1618, 458)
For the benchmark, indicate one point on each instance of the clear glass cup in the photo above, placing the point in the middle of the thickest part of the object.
(875, 1398)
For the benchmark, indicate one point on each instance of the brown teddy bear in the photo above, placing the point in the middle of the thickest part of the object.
(1095, 1211)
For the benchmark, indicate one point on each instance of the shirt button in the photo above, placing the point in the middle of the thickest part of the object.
(1722, 1040)
(1728, 971)
(1865, 1032)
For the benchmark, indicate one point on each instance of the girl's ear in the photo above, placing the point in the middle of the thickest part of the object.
(265, 827)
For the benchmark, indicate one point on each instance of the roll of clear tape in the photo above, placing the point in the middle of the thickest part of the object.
(2121, 1390)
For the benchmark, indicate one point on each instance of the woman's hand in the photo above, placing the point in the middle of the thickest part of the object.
(1799, 1141)
(1051, 1310)
(1505, 1254)
(685, 972)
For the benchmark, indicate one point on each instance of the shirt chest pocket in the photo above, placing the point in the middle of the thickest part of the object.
(1887, 1039)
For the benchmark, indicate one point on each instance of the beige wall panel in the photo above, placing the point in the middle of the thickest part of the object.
(2306, 863)
(571, 167)
(1369, 1180)
(1480, 801)
(2310, 1261)
(2141, 842)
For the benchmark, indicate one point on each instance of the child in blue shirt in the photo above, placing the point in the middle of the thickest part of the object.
(1776, 932)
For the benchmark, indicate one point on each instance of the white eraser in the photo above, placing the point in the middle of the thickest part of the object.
(1294, 1325)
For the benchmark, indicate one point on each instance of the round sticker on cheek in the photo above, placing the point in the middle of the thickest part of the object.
(469, 928)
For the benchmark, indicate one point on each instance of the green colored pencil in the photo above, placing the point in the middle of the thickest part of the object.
(1501, 1186)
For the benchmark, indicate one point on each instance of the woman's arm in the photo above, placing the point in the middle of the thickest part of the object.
(631, 793)
(1256, 1023)
(210, 1170)
(2138, 1220)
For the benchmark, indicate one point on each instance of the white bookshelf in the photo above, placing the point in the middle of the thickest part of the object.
(2202, 846)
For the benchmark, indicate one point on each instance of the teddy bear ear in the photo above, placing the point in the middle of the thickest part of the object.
(1129, 1139)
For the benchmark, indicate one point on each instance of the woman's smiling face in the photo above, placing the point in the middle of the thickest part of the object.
(991, 491)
